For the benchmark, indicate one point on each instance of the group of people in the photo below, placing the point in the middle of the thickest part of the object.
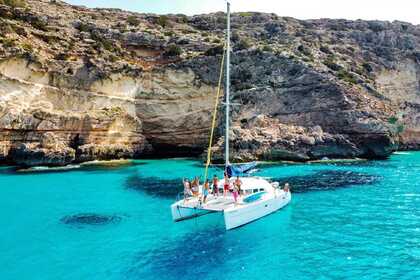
(191, 188)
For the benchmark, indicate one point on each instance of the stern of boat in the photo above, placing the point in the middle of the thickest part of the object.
(241, 215)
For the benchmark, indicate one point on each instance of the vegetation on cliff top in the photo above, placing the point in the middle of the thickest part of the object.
(144, 40)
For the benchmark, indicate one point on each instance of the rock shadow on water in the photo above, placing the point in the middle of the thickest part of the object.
(364, 163)
(167, 188)
(328, 180)
(90, 219)
(117, 166)
(110, 165)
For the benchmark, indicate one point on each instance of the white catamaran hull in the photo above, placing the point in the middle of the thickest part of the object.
(180, 213)
(236, 217)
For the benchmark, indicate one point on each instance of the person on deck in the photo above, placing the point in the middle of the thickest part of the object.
(238, 184)
(226, 185)
(187, 188)
(235, 193)
(215, 185)
(195, 186)
(286, 187)
(206, 188)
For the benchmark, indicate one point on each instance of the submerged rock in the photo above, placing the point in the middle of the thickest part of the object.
(90, 219)
(327, 180)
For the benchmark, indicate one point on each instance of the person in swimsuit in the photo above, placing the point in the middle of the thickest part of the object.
(206, 188)
(215, 185)
(286, 187)
(235, 193)
(187, 188)
(226, 185)
(238, 184)
(195, 186)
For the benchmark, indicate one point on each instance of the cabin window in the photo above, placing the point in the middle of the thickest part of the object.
(255, 190)
(261, 190)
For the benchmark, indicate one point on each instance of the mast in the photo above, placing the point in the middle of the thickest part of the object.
(227, 87)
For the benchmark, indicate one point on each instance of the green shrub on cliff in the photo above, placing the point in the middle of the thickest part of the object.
(325, 49)
(397, 126)
(62, 56)
(245, 14)
(183, 18)
(304, 50)
(132, 20)
(267, 48)
(163, 21)
(27, 47)
(400, 128)
(173, 50)
(83, 27)
(14, 3)
(38, 23)
(330, 63)
(243, 44)
(367, 67)
(346, 76)
(102, 41)
(7, 42)
(392, 120)
(215, 51)
(169, 33)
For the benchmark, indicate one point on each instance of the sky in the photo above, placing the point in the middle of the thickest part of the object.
(403, 10)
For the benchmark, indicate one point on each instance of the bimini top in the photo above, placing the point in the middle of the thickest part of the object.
(240, 169)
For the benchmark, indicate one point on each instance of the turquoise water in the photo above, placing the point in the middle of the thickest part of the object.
(346, 221)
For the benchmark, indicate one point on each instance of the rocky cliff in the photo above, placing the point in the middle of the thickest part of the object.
(79, 84)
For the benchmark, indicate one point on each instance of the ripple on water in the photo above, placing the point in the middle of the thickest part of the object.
(327, 180)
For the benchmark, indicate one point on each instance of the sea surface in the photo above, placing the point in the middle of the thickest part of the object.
(347, 220)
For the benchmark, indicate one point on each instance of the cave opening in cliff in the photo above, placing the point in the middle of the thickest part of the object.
(171, 151)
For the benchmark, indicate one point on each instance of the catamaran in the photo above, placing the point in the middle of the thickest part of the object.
(258, 198)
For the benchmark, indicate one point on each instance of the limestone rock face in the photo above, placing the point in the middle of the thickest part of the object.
(266, 138)
(79, 84)
(33, 155)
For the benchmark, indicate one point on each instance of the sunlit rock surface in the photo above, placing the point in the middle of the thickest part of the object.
(104, 84)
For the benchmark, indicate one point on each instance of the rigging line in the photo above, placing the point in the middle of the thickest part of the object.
(216, 105)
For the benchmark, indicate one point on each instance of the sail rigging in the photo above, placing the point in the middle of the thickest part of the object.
(260, 197)
(227, 126)
(213, 124)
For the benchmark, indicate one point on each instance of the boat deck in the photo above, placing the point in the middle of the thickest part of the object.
(214, 204)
